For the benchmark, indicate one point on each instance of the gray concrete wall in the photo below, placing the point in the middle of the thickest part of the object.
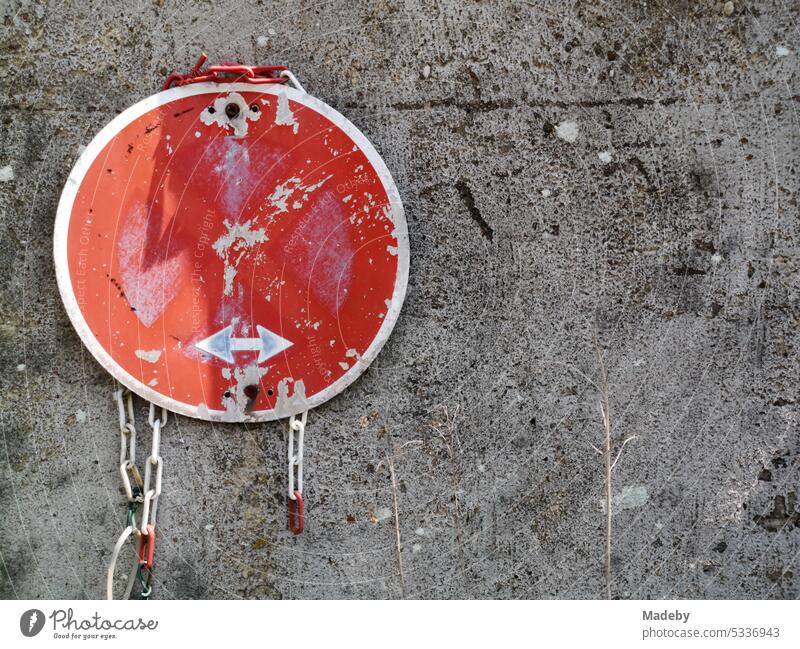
(570, 171)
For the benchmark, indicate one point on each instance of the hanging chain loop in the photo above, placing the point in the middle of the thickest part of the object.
(138, 491)
(154, 461)
(297, 429)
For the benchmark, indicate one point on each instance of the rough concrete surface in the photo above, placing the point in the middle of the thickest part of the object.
(571, 171)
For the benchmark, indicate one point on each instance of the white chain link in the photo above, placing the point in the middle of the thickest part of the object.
(154, 460)
(127, 446)
(293, 79)
(297, 428)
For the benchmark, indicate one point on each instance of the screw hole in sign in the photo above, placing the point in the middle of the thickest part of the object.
(232, 110)
(230, 249)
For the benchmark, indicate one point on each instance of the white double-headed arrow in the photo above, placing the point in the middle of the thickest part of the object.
(222, 344)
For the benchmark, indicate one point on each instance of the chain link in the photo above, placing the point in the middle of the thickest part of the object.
(297, 428)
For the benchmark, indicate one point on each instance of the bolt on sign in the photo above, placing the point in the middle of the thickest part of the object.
(231, 248)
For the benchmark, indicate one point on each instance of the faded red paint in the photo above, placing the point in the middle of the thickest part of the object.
(147, 277)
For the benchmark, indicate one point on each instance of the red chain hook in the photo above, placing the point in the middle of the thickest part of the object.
(297, 515)
(227, 73)
(147, 547)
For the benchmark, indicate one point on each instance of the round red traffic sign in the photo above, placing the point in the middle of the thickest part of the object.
(233, 253)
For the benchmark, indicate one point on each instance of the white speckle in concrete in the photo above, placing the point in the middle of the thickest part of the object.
(6, 174)
(426, 71)
(149, 356)
(21, 367)
(782, 51)
(546, 192)
(262, 41)
(629, 497)
(81, 417)
(567, 131)
(382, 514)
(605, 156)
(716, 258)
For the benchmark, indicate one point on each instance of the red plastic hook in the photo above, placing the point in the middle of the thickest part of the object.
(181, 79)
(296, 513)
(147, 547)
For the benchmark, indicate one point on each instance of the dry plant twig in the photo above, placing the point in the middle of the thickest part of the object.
(619, 453)
(605, 414)
(451, 442)
(390, 464)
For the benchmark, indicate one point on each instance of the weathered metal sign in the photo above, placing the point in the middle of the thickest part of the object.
(233, 253)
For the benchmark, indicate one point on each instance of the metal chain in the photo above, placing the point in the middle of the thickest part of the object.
(297, 429)
(154, 460)
(150, 508)
(127, 447)
(138, 492)
(227, 73)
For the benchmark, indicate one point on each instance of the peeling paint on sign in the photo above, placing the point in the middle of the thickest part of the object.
(231, 245)
(284, 115)
(149, 356)
(221, 113)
